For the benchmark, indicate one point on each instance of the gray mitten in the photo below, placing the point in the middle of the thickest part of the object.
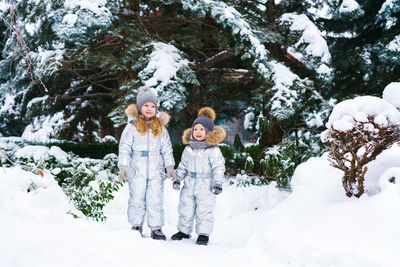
(176, 185)
(217, 189)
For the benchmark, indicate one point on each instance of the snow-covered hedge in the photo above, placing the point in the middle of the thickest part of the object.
(253, 165)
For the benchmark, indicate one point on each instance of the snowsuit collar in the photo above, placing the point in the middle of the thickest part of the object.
(198, 144)
(212, 138)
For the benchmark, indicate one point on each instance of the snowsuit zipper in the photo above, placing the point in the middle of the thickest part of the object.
(147, 159)
(195, 170)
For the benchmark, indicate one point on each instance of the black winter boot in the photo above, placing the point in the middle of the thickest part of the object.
(202, 240)
(179, 236)
(138, 228)
(158, 235)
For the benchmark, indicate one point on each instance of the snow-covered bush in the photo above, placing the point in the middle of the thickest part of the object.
(358, 131)
(89, 183)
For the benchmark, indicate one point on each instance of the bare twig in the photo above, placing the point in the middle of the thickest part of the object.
(15, 26)
(40, 172)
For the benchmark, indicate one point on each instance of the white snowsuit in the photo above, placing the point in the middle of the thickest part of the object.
(200, 169)
(146, 158)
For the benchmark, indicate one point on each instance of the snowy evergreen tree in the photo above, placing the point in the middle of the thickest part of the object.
(277, 62)
(193, 53)
(40, 40)
(362, 36)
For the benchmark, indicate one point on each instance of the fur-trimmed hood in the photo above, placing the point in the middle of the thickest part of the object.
(132, 113)
(212, 138)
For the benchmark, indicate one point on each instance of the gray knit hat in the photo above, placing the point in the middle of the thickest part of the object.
(145, 94)
(206, 117)
(206, 122)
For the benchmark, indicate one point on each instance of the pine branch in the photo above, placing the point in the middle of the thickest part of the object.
(90, 79)
(209, 62)
(86, 96)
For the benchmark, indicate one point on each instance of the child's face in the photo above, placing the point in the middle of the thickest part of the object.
(199, 132)
(148, 110)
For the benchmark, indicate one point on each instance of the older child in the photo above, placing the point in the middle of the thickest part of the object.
(202, 169)
(144, 152)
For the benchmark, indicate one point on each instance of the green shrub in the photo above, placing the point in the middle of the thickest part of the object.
(237, 144)
(227, 152)
(281, 161)
(92, 198)
(246, 180)
(257, 155)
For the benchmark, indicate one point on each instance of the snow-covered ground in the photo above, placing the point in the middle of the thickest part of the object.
(314, 225)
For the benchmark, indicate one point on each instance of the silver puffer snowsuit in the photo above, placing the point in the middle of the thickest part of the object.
(146, 158)
(200, 169)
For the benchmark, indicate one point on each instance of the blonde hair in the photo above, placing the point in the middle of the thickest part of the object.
(155, 125)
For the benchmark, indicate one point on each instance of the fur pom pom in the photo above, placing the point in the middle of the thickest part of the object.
(207, 111)
(143, 89)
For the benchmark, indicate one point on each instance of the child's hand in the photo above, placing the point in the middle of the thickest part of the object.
(217, 189)
(123, 174)
(176, 185)
(171, 174)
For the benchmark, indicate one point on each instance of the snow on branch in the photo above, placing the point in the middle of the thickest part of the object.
(388, 13)
(394, 45)
(351, 8)
(49, 62)
(77, 18)
(212, 60)
(284, 92)
(333, 9)
(389, 51)
(230, 18)
(167, 71)
(287, 92)
(311, 48)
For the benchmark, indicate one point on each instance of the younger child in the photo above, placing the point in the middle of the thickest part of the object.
(144, 152)
(202, 169)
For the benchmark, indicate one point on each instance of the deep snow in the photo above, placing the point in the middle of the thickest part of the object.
(314, 225)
